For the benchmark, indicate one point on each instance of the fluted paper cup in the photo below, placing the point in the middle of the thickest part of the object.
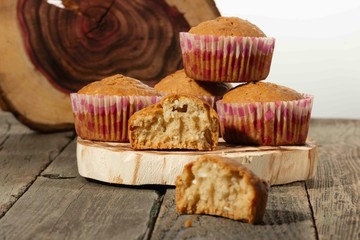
(270, 123)
(105, 118)
(226, 58)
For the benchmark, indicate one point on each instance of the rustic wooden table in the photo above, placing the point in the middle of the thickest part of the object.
(43, 197)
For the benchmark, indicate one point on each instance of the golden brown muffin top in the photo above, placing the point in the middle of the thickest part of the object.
(118, 85)
(180, 83)
(228, 26)
(260, 92)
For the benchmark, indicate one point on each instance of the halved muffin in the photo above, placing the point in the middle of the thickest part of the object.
(176, 122)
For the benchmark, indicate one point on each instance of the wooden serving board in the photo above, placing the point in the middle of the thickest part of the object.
(118, 163)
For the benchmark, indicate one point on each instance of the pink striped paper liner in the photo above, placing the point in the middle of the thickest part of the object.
(226, 58)
(105, 118)
(271, 123)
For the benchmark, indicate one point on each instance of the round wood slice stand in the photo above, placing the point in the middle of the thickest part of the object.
(118, 163)
(48, 52)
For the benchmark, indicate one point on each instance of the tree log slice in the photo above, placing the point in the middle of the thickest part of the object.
(49, 52)
(118, 163)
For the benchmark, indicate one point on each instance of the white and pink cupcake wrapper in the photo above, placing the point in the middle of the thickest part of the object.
(211, 100)
(226, 58)
(270, 123)
(105, 118)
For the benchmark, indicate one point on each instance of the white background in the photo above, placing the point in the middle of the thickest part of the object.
(317, 48)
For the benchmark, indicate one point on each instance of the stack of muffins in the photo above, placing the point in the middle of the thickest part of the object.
(215, 53)
(230, 49)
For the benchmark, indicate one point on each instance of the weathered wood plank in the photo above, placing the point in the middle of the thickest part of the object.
(23, 155)
(330, 131)
(334, 192)
(77, 209)
(65, 164)
(62, 205)
(287, 216)
(9, 125)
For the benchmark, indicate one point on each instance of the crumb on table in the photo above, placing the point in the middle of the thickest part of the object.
(188, 223)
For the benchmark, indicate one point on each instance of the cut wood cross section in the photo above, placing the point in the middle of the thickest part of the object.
(49, 52)
(118, 163)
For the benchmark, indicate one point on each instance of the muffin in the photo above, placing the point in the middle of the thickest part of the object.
(226, 49)
(180, 83)
(263, 113)
(221, 186)
(102, 108)
(176, 122)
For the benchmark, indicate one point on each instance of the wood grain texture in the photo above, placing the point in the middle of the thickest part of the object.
(77, 209)
(281, 221)
(101, 38)
(52, 51)
(332, 131)
(23, 156)
(62, 205)
(25, 91)
(334, 192)
(119, 163)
